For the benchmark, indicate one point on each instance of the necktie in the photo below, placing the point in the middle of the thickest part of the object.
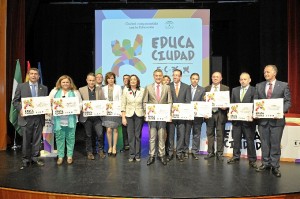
(215, 109)
(33, 91)
(243, 94)
(216, 88)
(157, 93)
(176, 90)
(269, 93)
(193, 92)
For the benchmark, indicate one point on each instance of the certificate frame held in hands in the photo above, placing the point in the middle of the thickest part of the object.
(113, 108)
(36, 105)
(218, 99)
(202, 109)
(65, 106)
(268, 108)
(182, 111)
(158, 112)
(240, 111)
(94, 108)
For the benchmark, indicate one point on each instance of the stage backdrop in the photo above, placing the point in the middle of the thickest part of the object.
(140, 41)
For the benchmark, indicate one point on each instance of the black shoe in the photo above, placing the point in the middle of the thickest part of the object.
(150, 160)
(195, 156)
(276, 172)
(24, 165)
(170, 157)
(233, 160)
(263, 168)
(186, 156)
(180, 158)
(38, 163)
(163, 160)
(208, 156)
(220, 157)
(253, 164)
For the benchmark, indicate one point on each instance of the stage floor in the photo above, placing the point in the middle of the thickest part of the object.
(116, 177)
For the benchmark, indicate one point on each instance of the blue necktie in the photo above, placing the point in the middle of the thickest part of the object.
(33, 91)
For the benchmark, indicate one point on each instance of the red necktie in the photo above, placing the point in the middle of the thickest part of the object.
(269, 93)
(157, 93)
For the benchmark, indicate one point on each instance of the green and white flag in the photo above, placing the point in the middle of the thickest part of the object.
(13, 113)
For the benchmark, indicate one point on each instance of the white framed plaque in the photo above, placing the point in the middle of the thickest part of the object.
(218, 99)
(158, 112)
(181, 111)
(113, 108)
(94, 108)
(268, 108)
(202, 109)
(36, 105)
(240, 111)
(65, 106)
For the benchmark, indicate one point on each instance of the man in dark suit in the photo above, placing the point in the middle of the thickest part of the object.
(91, 92)
(157, 93)
(243, 94)
(180, 94)
(197, 94)
(216, 123)
(271, 130)
(31, 126)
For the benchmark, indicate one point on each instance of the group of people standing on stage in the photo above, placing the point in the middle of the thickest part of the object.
(133, 99)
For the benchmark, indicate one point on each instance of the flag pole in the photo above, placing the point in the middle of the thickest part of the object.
(15, 146)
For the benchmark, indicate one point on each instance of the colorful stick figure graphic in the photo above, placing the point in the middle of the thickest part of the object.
(127, 54)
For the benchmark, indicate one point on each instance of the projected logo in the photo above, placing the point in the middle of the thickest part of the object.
(127, 54)
(169, 24)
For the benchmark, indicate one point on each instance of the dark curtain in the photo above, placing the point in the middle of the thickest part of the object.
(294, 53)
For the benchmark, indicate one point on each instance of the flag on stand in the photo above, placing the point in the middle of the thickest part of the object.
(13, 113)
(40, 73)
(28, 68)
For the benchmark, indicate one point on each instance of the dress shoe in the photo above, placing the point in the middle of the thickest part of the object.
(70, 160)
(233, 160)
(170, 157)
(90, 156)
(276, 172)
(38, 163)
(138, 159)
(180, 158)
(150, 160)
(263, 168)
(163, 160)
(130, 159)
(186, 156)
(109, 152)
(59, 161)
(24, 165)
(102, 155)
(208, 156)
(220, 157)
(253, 164)
(195, 156)
(114, 152)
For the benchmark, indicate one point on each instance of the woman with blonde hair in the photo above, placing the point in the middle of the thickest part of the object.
(65, 125)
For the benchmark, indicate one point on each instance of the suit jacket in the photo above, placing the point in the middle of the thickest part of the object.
(223, 117)
(280, 90)
(198, 96)
(248, 98)
(117, 93)
(84, 92)
(131, 104)
(23, 90)
(150, 96)
(183, 95)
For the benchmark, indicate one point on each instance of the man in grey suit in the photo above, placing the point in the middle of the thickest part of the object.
(157, 93)
(31, 126)
(91, 92)
(180, 94)
(197, 93)
(243, 94)
(215, 125)
(271, 130)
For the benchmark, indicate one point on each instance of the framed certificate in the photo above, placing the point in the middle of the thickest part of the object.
(36, 105)
(158, 112)
(65, 106)
(113, 108)
(181, 111)
(202, 109)
(268, 108)
(240, 111)
(94, 108)
(218, 99)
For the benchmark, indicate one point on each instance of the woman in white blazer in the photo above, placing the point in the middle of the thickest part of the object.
(133, 116)
(112, 92)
